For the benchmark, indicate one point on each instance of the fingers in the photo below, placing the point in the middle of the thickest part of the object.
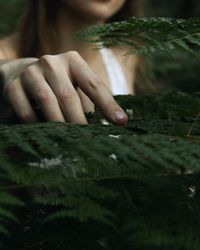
(64, 90)
(35, 84)
(95, 89)
(64, 86)
(18, 99)
(87, 104)
(11, 69)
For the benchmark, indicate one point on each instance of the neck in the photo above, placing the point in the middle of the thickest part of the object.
(67, 25)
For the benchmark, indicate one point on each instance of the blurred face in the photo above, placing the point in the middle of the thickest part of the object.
(94, 10)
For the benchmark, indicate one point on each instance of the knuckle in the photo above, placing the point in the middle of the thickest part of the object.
(67, 96)
(96, 84)
(73, 54)
(43, 95)
(28, 72)
(48, 61)
(46, 58)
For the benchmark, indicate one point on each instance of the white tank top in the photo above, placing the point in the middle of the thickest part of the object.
(117, 80)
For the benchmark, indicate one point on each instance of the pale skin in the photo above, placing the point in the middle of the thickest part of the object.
(65, 85)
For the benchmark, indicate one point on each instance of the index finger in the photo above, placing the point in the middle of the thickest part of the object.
(96, 90)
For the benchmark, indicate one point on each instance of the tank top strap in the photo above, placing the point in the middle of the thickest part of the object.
(117, 80)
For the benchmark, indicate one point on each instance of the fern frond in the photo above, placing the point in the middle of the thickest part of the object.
(118, 180)
(85, 210)
(7, 214)
(146, 35)
(8, 199)
(7, 203)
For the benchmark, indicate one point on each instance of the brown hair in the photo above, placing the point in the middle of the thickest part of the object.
(38, 25)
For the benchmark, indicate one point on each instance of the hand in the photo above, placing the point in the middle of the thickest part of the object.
(63, 86)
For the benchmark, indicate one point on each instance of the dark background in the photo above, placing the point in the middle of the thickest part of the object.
(182, 73)
(173, 8)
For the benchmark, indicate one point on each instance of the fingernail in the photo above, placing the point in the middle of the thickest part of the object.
(121, 116)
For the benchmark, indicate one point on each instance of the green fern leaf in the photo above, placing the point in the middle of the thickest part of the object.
(146, 35)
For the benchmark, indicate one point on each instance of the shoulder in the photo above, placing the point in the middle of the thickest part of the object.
(8, 47)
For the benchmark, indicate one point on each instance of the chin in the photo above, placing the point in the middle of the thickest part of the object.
(94, 10)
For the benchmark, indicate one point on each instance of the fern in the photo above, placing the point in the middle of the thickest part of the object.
(132, 183)
(6, 202)
(147, 36)
(106, 186)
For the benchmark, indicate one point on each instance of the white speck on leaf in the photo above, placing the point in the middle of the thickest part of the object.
(113, 157)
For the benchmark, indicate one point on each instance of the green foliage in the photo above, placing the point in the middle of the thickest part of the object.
(147, 36)
(171, 47)
(180, 73)
(10, 11)
(105, 186)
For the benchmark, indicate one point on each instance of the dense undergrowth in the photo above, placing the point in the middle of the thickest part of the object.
(104, 186)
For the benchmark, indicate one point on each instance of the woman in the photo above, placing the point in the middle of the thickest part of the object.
(65, 78)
